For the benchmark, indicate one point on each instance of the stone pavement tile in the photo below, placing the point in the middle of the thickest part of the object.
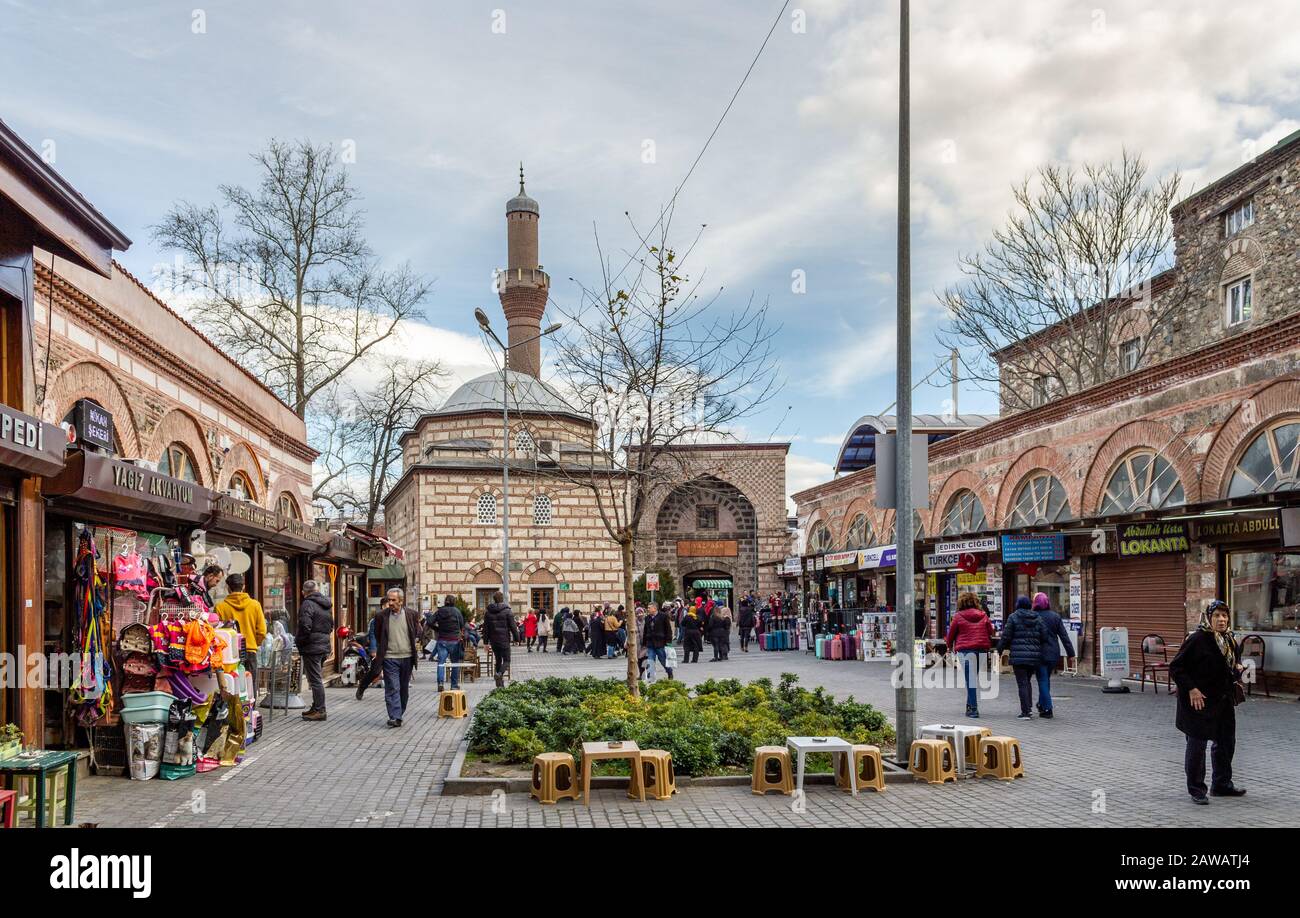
(1105, 760)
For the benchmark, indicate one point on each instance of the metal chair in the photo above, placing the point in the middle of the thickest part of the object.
(1252, 648)
(1153, 644)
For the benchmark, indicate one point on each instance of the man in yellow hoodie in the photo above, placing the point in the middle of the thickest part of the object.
(247, 612)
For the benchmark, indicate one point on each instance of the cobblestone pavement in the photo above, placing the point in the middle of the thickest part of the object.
(1104, 760)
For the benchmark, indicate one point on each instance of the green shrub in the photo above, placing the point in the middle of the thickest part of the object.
(718, 687)
(521, 745)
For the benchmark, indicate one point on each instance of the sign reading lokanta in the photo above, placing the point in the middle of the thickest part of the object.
(1156, 538)
(962, 546)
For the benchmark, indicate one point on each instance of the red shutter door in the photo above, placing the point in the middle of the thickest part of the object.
(1146, 596)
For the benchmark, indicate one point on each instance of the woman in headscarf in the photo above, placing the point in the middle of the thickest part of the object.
(1207, 671)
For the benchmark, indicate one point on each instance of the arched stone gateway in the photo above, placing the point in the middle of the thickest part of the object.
(708, 529)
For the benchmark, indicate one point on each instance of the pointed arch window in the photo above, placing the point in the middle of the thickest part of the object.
(860, 534)
(288, 506)
(1143, 480)
(241, 487)
(177, 462)
(819, 540)
(965, 513)
(1270, 463)
(1042, 499)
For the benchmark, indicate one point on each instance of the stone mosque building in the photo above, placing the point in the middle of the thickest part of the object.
(727, 524)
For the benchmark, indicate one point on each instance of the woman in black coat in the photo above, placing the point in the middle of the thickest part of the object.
(1206, 670)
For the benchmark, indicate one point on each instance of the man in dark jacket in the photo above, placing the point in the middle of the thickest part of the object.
(746, 622)
(447, 624)
(1055, 636)
(1023, 636)
(499, 629)
(1206, 669)
(397, 635)
(315, 626)
(658, 635)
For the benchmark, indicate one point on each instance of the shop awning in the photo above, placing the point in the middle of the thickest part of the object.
(117, 485)
(243, 518)
(711, 585)
(29, 444)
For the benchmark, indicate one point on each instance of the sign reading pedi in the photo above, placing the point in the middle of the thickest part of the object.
(133, 478)
(1157, 538)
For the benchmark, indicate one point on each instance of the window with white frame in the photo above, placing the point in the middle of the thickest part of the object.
(1240, 217)
(487, 509)
(1041, 393)
(1129, 352)
(541, 510)
(1238, 301)
(524, 442)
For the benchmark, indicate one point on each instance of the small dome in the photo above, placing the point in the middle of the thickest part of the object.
(522, 202)
(528, 395)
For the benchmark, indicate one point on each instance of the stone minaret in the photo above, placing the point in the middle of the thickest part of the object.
(523, 285)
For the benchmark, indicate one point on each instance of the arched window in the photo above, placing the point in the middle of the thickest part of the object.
(288, 506)
(524, 442)
(541, 510)
(1041, 500)
(918, 526)
(965, 513)
(487, 509)
(241, 487)
(1143, 480)
(859, 534)
(819, 540)
(1270, 462)
(177, 462)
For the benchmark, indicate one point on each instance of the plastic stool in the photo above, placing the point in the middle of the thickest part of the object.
(762, 781)
(657, 775)
(867, 763)
(973, 745)
(451, 703)
(1000, 758)
(932, 761)
(554, 777)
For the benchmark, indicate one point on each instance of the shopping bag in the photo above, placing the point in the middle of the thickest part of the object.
(670, 654)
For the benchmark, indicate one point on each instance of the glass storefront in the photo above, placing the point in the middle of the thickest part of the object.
(1051, 578)
(277, 592)
(1264, 590)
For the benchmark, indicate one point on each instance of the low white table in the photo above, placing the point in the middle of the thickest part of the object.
(955, 735)
(802, 745)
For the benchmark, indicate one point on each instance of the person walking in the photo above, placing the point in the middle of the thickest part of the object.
(658, 635)
(1207, 670)
(745, 622)
(724, 631)
(1023, 637)
(315, 627)
(499, 629)
(609, 623)
(1055, 636)
(530, 629)
(568, 631)
(971, 636)
(693, 629)
(717, 627)
(448, 626)
(543, 629)
(397, 640)
(642, 656)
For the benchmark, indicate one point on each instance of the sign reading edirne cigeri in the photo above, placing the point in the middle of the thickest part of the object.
(1156, 538)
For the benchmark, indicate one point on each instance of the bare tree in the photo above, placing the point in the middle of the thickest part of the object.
(359, 431)
(1082, 266)
(285, 278)
(647, 357)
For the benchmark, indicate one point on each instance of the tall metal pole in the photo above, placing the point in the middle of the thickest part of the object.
(905, 693)
(955, 412)
(505, 476)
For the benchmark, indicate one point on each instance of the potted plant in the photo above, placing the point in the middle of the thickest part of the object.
(11, 741)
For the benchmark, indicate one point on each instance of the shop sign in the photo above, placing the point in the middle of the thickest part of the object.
(972, 580)
(962, 546)
(791, 567)
(30, 445)
(1047, 546)
(1114, 653)
(370, 555)
(880, 556)
(841, 558)
(819, 563)
(93, 425)
(707, 548)
(1242, 527)
(936, 560)
(565, 587)
(1158, 538)
(1076, 598)
(129, 488)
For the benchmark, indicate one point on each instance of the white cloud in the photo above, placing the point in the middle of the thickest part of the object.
(803, 472)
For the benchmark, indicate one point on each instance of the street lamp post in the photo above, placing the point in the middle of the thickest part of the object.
(481, 317)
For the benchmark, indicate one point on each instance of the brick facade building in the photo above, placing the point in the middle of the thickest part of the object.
(1201, 443)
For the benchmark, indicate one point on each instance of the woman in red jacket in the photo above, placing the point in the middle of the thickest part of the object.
(970, 634)
(530, 628)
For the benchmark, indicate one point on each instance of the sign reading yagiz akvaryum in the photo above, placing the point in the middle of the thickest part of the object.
(1152, 539)
(131, 478)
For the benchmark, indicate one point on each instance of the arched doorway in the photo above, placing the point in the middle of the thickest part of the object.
(710, 583)
(707, 529)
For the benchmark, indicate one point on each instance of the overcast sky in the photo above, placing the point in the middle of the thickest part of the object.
(142, 104)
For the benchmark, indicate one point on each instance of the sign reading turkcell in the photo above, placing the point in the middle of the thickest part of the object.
(1034, 546)
(1158, 538)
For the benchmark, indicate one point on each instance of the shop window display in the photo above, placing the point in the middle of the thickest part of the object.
(1264, 591)
(277, 592)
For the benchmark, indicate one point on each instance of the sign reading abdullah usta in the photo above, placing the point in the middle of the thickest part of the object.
(1152, 539)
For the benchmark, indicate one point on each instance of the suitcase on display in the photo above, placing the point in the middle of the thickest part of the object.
(850, 646)
(762, 640)
(783, 640)
(821, 647)
(837, 648)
